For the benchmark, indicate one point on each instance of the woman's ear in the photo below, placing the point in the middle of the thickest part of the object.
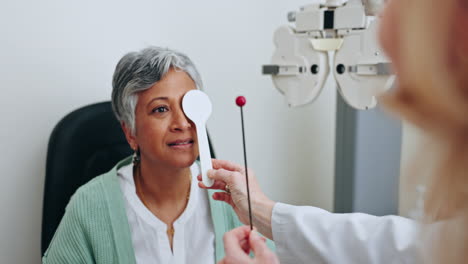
(131, 139)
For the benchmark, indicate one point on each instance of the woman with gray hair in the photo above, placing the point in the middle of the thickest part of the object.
(148, 208)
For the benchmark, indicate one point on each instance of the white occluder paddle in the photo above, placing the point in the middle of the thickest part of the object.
(197, 107)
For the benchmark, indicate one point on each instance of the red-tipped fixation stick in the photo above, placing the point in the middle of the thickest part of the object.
(241, 101)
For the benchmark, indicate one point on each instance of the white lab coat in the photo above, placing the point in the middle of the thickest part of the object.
(305, 234)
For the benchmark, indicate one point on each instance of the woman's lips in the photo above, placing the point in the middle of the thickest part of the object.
(181, 144)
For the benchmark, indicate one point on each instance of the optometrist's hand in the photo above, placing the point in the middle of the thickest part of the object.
(240, 241)
(229, 177)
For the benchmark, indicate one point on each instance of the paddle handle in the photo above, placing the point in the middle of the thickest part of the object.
(205, 155)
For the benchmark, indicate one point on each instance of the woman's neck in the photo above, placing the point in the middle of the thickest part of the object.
(163, 185)
(164, 191)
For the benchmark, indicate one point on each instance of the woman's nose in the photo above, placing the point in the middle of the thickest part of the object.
(180, 122)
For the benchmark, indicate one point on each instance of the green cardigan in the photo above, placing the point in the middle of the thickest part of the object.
(95, 229)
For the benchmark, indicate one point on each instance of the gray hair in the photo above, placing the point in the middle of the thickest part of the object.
(138, 71)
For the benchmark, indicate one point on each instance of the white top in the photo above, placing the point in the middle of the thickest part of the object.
(305, 234)
(194, 239)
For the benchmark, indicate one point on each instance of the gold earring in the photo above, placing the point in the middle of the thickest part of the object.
(136, 157)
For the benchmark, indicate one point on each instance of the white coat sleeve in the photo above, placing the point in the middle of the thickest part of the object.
(305, 234)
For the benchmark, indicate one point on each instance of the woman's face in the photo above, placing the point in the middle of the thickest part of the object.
(163, 133)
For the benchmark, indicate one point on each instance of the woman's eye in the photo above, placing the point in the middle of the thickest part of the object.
(160, 109)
